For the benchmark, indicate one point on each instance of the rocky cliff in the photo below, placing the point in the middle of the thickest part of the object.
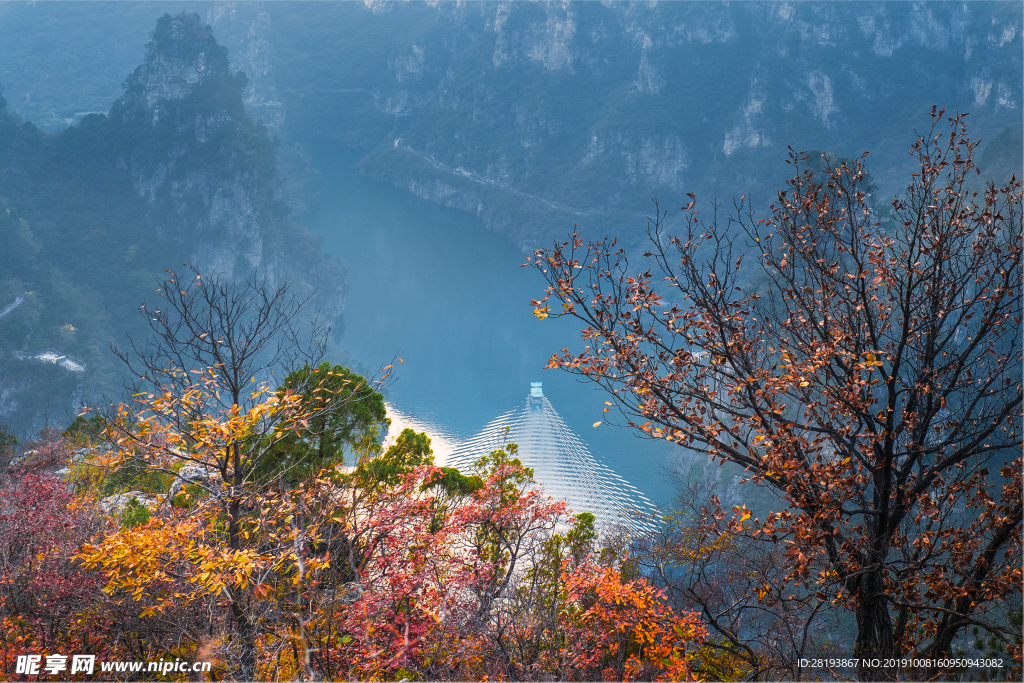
(91, 217)
(537, 115)
(206, 169)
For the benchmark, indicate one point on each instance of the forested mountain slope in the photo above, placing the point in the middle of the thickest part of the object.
(536, 115)
(533, 116)
(90, 217)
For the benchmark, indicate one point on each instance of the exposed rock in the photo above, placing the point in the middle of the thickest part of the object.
(206, 169)
(177, 171)
(593, 107)
(351, 592)
(208, 478)
(115, 505)
(186, 127)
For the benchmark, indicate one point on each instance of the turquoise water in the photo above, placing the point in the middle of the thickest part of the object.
(432, 286)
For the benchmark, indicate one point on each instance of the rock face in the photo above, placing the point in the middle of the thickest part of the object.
(209, 479)
(206, 169)
(247, 29)
(92, 216)
(203, 166)
(181, 55)
(114, 505)
(538, 115)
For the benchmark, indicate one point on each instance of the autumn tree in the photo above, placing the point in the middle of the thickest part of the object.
(761, 626)
(575, 612)
(47, 601)
(404, 594)
(871, 376)
(397, 569)
(465, 579)
(527, 630)
(623, 630)
(204, 410)
(514, 517)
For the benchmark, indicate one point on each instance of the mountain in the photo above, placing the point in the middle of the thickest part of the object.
(205, 170)
(539, 115)
(93, 216)
(533, 116)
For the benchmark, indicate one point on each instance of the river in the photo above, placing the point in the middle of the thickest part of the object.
(432, 286)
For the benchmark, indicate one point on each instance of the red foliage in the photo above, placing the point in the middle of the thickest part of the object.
(424, 588)
(624, 630)
(45, 598)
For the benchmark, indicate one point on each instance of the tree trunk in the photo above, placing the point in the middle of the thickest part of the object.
(247, 637)
(246, 629)
(874, 631)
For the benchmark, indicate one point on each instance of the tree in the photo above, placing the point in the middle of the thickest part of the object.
(8, 445)
(202, 405)
(579, 614)
(423, 557)
(449, 581)
(349, 414)
(623, 630)
(873, 379)
(512, 524)
(763, 627)
(527, 630)
(208, 328)
(215, 549)
(47, 602)
(395, 569)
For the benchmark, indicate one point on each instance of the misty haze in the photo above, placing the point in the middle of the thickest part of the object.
(511, 340)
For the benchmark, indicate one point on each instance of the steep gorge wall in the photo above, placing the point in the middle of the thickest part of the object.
(536, 115)
(92, 217)
(205, 168)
